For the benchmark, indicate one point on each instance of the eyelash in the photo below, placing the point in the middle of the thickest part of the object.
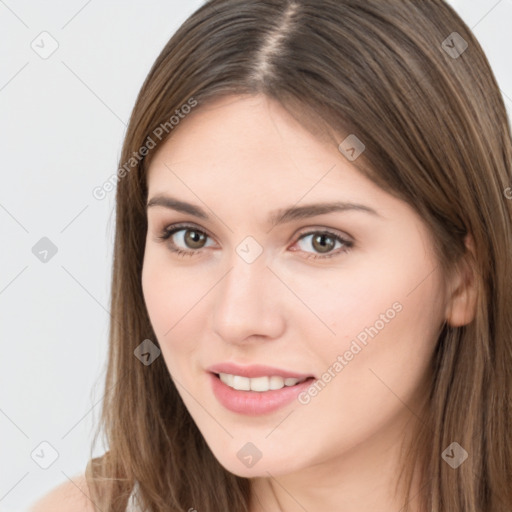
(167, 232)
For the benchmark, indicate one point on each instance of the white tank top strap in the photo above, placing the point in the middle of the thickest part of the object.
(133, 505)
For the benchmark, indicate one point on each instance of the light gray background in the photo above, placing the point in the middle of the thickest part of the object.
(62, 123)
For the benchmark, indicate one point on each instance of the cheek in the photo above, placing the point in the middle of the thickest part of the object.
(386, 326)
(173, 301)
(168, 292)
(386, 348)
(379, 379)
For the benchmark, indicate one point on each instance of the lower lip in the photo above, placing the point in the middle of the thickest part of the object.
(253, 403)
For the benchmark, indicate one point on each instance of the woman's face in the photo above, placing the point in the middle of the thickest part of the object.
(350, 297)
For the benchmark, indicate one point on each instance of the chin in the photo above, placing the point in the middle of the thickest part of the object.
(245, 460)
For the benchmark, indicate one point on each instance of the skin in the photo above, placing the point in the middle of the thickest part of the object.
(71, 495)
(240, 158)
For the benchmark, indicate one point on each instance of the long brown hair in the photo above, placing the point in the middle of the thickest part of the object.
(410, 80)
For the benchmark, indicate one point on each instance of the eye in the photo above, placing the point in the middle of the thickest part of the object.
(324, 242)
(188, 241)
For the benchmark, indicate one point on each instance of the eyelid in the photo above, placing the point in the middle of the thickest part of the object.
(323, 229)
(302, 231)
(178, 226)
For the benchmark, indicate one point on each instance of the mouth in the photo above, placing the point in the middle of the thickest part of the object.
(261, 384)
(254, 396)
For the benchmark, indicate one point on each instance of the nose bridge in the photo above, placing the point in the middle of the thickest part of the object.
(245, 303)
(243, 286)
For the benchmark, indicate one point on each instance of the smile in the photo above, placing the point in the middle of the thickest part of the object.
(259, 384)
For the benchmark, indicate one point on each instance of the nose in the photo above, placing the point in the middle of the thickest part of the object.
(248, 303)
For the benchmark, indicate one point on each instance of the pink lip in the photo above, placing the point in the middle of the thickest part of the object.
(253, 403)
(255, 370)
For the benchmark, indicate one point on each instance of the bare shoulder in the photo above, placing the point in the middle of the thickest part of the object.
(66, 497)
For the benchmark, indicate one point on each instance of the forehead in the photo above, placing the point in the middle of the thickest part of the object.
(252, 143)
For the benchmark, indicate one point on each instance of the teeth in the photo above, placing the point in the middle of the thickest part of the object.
(259, 384)
(227, 378)
(276, 382)
(241, 383)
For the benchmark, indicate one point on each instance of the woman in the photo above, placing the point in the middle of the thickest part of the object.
(312, 288)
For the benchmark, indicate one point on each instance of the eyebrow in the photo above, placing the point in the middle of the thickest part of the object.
(276, 217)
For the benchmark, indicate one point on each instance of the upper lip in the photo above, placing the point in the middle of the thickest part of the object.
(255, 370)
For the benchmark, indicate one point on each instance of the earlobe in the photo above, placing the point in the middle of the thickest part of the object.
(461, 307)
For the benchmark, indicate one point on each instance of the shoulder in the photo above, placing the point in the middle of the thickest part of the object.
(67, 497)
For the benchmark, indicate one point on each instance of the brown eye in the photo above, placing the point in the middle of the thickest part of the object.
(194, 239)
(323, 242)
(184, 239)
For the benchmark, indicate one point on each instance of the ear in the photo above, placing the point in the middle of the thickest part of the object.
(462, 298)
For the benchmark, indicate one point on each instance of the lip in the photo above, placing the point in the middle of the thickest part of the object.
(255, 403)
(255, 370)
